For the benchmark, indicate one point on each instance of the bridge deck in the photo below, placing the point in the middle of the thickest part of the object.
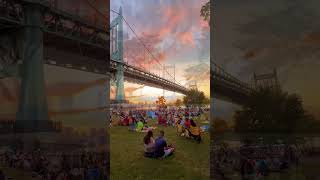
(227, 87)
(67, 35)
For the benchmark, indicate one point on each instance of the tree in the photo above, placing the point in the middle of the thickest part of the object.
(206, 101)
(178, 102)
(161, 101)
(219, 126)
(205, 12)
(194, 97)
(272, 111)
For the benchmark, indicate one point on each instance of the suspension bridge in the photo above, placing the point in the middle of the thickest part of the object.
(34, 33)
(229, 88)
(136, 72)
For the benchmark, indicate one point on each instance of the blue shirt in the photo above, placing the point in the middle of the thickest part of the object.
(160, 144)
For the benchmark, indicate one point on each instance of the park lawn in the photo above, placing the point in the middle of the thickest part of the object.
(16, 174)
(189, 161)
(83, 121)
(307, 169)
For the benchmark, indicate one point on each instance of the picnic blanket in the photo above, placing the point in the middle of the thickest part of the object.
(204, 128)
(152, 114)
(148, 129)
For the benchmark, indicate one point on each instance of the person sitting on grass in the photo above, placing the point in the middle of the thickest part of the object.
(187, 123)
(161, 120)
(180, 128)
(125, 121)
(132, 124)
(162, 150)
(140, 126)
(149, 145)
(194, 131)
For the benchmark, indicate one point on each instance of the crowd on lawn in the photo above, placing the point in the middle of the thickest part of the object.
(257, 161)
(180, 118)
(57, 166)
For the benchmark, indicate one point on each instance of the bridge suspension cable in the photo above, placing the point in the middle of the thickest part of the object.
(145, 46)
(140, 40)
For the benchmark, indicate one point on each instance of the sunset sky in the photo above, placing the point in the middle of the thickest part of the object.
(172, 29)
(175, 33)
(257, 36)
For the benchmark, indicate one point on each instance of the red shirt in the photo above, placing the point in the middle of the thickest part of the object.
(187, 123)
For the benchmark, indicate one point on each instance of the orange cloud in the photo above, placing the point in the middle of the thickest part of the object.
(164, 31)
(136, 54)
(132, 89)
(173, 16)
(128, 91)
(173, 24)
(186, 38)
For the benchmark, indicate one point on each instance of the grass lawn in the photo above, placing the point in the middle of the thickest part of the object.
(189, 161)
(16, 174)
(305, 171)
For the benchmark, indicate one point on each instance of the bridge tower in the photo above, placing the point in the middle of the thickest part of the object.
(166, 69)
(269, 80)
(33, 109)
(193, 85)
(117, 53)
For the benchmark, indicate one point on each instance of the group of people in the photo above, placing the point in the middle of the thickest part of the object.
(188, 128)
(170, 116)
(137, 120)
(56, 166)
(180, 118)
(156, 148)
(257, 161)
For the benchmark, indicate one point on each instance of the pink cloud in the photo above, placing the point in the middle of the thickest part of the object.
(203, 24)
(186, 38)
(136, 53)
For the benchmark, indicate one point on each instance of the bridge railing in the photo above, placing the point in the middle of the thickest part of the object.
(150, 77)
(11, 11)
(220, 74)
(58, 22)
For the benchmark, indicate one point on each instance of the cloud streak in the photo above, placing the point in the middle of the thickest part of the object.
(286, 38)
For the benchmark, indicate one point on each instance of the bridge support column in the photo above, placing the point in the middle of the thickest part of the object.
(33, 109)
(120, 96)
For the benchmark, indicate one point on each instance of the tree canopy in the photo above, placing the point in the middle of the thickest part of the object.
(195, 97)
(178, 102)
(273, 111)
(205, 12)
(161, 101)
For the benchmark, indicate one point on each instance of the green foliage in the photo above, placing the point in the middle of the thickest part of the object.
(195, 97)
(220, 126)
(206, 101)
(273, 111)
(178, 102)
(161, 102)
(205, 12)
